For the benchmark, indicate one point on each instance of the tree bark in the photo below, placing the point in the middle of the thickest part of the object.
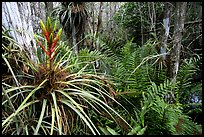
(171, 26)
(93, 17)
(20, 18)
(97, 63)
(107, 18)
(180, 12)
(166, 25)
(178, 29)
(49, 8)
(99, 18)
(74, 40)
(154, 17)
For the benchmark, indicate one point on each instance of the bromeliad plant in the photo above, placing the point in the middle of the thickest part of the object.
(50, 100)
(51, 40)
(48, 69)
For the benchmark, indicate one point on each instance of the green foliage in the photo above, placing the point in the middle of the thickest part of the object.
(163, 118)
(126, 95)
(193, 10)
(132, 15)
(135, 131)
(188, 88)
(131, 67)
(55, 101)
(142, 79)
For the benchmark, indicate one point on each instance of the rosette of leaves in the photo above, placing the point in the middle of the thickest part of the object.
(50, 99)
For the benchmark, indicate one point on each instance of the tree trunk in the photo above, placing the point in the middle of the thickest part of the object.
(141, 29)
(178, 29)
(154, 17)
(93, 17)
(107, 18)
(99, 18)
(97, 63)
(74, 40)
(166, 24)
(20, 17)
(49, 8)
(180, 12)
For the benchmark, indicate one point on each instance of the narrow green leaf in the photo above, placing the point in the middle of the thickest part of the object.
(59, 32)
(49, 25)
(32, 92)
(134, 130)
(105, 131)
(17, 111)
(41, 117)
(55, 27)
(51, 38)
(111, 131)
(26, 129)
(44, 30)
(99, 102)
(53, 120)
(61, 59)
(56, 110)
(80, 115)
(141, 132)
(36, 38)
(16, 88)
(22, 104)
(9, 66)
(80, 108)
(14, 95)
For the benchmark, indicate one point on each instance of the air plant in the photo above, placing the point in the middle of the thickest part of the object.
(51, 40)
(53, 99)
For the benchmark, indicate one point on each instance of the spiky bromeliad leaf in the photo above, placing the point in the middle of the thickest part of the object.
(23, 105)
(41, 117)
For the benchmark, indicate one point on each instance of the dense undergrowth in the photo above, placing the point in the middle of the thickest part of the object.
(67, 94)
(142, 85)
(55, 96)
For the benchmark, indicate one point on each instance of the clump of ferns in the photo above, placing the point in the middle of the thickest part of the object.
(51, 103)
(163, 118)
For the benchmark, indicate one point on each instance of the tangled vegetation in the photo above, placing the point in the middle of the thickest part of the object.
(64, 93)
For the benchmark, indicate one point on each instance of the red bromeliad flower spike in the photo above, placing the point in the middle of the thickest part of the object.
(49, 35)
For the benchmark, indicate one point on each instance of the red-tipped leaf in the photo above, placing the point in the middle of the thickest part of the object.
(43, 48)
(44, 30)
(53, 47)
